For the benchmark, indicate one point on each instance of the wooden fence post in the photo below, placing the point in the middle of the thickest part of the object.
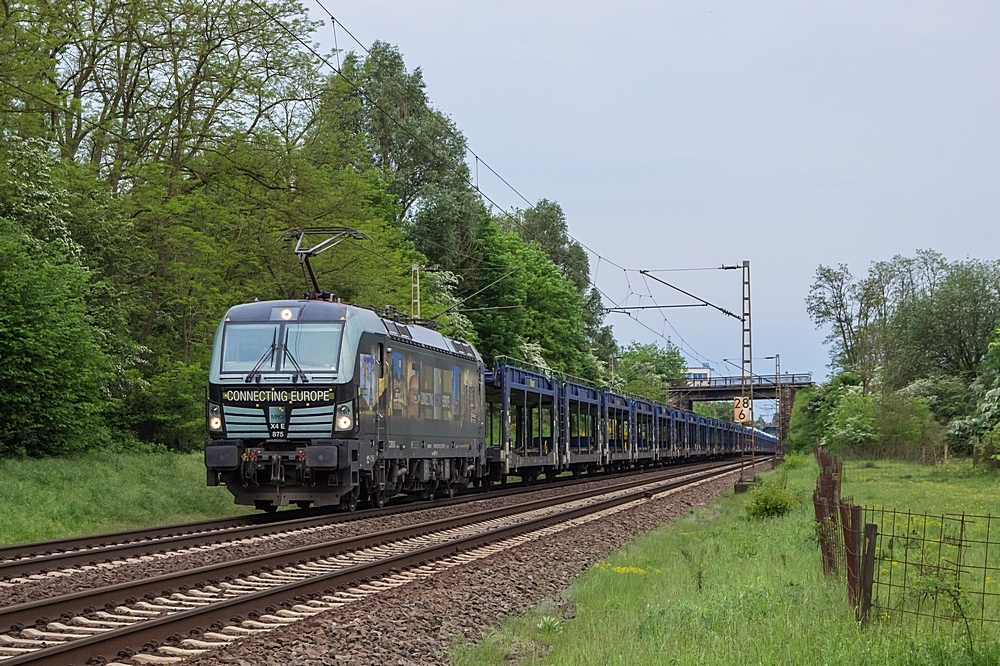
(867, 572)
(850, 522)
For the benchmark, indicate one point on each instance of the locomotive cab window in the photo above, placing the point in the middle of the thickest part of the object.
(313, 346)
(246, 345)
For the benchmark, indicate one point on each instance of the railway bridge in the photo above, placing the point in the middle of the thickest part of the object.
(763, 387)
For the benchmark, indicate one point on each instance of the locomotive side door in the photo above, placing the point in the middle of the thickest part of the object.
(375, 394)
(381, 396)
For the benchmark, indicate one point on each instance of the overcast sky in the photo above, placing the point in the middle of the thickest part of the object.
(688, 134)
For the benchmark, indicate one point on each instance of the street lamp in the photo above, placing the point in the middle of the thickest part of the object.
(777, 398)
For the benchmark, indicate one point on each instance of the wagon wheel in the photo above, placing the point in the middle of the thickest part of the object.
(379, 496)
(349, 502)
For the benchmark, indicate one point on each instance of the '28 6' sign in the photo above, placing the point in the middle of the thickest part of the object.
(741, 409)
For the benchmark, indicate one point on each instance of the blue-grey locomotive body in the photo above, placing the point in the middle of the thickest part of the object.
(314, 402)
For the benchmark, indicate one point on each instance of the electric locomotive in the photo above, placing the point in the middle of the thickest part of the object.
(317, 402)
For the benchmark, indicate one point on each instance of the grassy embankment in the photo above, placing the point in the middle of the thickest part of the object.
(716, 588)
(59, 497)
(953, 486)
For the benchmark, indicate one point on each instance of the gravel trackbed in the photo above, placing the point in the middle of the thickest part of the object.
(416, 623)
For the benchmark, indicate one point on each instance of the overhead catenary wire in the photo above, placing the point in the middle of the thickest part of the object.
(503, 277)
(654, 307)
(682, 270)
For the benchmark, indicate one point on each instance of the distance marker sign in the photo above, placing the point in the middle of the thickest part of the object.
(741, 409)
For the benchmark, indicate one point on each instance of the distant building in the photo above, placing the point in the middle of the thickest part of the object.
(699, 376)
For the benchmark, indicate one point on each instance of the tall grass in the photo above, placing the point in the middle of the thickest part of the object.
(103, 492)
(715, 588)
(948, 487)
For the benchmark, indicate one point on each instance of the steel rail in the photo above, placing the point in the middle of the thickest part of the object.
(24, 559)
(42, 610)
(111, 642)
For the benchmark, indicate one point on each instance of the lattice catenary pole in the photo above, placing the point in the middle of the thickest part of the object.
(415, 291)
(746, 386)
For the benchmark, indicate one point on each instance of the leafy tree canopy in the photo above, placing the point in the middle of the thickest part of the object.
(153, 156)
(645, 369)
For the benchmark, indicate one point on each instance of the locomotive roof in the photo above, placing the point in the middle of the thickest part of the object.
(308, 310)
(313, 310)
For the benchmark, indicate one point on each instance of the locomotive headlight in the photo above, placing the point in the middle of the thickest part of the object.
(214, 417)
(345, 416)
(286, 314)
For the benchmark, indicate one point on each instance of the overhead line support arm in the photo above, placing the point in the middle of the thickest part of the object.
(687, 293)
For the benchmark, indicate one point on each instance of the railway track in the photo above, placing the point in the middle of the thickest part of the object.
(245, 597)
(23, 561)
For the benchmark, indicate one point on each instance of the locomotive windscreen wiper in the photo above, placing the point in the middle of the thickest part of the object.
(267, 355)
(288, 354)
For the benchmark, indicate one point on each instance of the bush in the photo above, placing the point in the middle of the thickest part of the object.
(794, 461)
(171, 411)
(813, 409)
(52, 369)
(770, 500)
(877, 425)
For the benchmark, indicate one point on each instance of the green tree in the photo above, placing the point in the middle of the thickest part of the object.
(185, 139)
(909, 318)
(535, 312)
(645, 369)
(412, 144)
(52, 367)
(545, 225)
(947, 397)
(948, 329)
(719, 410)
(882, 426)
(983, 421)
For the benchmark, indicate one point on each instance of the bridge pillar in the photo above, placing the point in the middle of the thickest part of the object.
(786, 398)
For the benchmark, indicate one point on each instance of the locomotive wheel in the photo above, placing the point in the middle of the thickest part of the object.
(379, 497)
(349, 502)
(265, 506)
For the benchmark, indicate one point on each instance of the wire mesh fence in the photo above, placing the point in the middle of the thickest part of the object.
(917, 570)
(934, 568)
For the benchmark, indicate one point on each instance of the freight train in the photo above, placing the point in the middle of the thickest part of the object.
(317, 402)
